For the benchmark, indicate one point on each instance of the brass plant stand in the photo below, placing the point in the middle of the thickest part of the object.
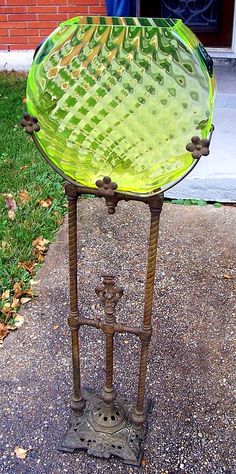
(105, 425)
(102, 424)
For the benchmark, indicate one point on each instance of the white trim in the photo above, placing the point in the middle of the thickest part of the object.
(234, 31)
(16, 60)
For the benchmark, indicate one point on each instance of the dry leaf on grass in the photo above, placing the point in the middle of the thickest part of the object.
(20, 452)
(5, 245)
(45, 202)
(3, 332)
(28, 266)
(11, 206)
(15, 302)
(29, 292)
(24, 196)
(5, 295)
(6, 309)
(17, 288)
(40, 243)
(24, 167)
(40, 247)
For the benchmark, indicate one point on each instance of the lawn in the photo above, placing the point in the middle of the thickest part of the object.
(32, 202)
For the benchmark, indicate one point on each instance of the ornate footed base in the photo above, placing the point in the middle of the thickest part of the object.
(124, 443)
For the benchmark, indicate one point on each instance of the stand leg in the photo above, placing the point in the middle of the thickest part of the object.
(77, 401)
(155, 204)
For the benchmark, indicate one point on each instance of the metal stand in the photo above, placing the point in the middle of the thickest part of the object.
(106, 425)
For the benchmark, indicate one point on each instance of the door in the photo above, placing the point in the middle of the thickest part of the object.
(211, 20)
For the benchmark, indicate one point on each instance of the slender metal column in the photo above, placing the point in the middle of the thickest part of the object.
(155, 205)
(77, 401)
(108, 416)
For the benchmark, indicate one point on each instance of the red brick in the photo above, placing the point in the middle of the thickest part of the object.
(74, 11)
(43, 24)
(82, 2)
(3, 17)
(4, 32)
(21, 2)
(4, 47)
(35, 40)
(14, 39)
(45, 32)
(42, 9)
(24, 32)
(97, 10)
(14, 24)
(51, 2)
(23, 17)
(8, 9)
(18, 47)
(52, 17)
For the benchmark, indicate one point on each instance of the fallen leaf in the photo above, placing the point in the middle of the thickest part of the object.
(143, 462)
(6, 309)
(25, 300)
(24, 100)
(34, 282)
(45, 202)
(39, 255)
(3, 331)
(10, 327)
(40, 243)
(24, 167)
(28, 266)
(5, 295)
(17, 289)
(18, 321)
(24, 196)
(227, 276)
(29, 292)
(15, 303)
(11, 206)
(20, 452)
(5, 245)
(56, 326)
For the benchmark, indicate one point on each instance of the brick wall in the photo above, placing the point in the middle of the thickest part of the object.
(23, 23)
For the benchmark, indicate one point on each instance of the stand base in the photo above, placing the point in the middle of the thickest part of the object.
(125, 443)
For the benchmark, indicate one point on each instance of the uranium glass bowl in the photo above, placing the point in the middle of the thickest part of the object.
(121, 97)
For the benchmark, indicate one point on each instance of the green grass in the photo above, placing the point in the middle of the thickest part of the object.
(22, 168)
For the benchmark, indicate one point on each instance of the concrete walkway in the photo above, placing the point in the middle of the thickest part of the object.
(191, 363)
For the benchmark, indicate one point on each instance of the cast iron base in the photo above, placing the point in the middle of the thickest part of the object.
(125, 443)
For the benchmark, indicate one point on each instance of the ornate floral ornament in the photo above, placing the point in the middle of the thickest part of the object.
(198, 147)
(108, 293)
(30, 123)
(106, 187)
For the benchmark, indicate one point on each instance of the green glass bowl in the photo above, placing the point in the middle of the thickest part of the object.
(121, 97)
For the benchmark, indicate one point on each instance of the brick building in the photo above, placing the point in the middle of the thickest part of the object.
(24, 23)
